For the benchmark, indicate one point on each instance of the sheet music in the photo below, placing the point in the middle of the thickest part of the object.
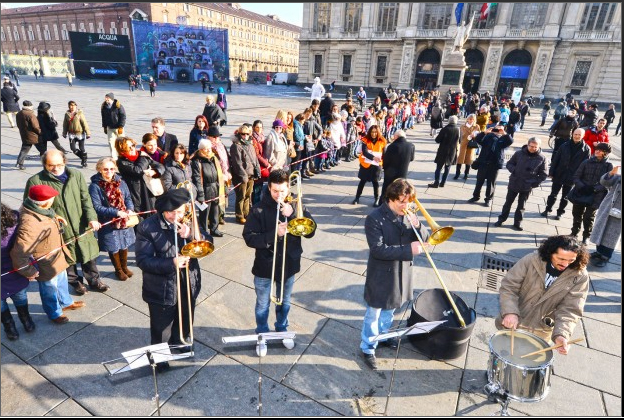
(419, 328)
(201, 206)
(372, 162)
(137, 358)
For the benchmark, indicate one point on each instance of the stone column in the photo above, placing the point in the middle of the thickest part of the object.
(544, 58)
(491, 67)
(572, 16)
(551, 28)
(452, 68)
(503, 19)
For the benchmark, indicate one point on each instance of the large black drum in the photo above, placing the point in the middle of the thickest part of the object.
(449, 340)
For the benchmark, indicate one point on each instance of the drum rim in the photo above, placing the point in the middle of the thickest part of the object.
(507, 361)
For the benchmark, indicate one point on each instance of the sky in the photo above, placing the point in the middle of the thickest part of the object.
(287, 12)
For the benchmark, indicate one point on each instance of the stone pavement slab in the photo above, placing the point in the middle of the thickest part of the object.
(68, 408)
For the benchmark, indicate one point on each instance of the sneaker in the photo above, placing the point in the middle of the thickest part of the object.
(261, 349)
(20, 167)
(289, 343)
(585, 241)
(370, 360)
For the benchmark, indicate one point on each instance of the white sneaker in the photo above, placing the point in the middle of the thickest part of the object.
(261, 349)
(289, 343)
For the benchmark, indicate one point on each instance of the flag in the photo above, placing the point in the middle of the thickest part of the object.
(458, 13)
(485, 10)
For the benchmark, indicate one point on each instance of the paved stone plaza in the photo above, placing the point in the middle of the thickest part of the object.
(57, 370)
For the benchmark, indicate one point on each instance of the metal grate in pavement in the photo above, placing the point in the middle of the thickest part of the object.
(493, 269)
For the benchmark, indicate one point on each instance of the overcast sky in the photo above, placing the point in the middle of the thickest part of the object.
(287, 12)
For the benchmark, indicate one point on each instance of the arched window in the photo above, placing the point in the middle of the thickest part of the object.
(427, 69)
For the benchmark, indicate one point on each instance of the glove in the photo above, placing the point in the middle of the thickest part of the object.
(88, 137)
(120, 131)
(105, 130)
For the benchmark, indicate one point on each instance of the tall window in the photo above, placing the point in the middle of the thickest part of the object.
(346, 64)
(580, 73)
(353, 17)
(113, 29)
(64, 33)
(318, 63)
(165, 17)
(2, 37)
(437, 16)
(46, 32)
(597, 16)
(124, 29)
(388, 14)
(471, 9)
(56, 32)
(322, 13)
(382, 62)
(101, 28)
(91, 27)
(31, 34)
(528, 15)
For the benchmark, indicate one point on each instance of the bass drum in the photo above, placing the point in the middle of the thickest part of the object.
(520, 379)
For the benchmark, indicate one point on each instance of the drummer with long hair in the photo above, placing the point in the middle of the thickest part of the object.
(545, 291)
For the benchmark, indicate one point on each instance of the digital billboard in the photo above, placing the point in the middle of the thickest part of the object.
(181, 52)
(101, 56)
(515, 72)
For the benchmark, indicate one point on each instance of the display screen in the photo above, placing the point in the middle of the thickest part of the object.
(515, 72)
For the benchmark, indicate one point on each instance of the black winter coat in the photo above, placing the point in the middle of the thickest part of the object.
(389, 280)
(564, 128)
(10, 99)
(528, 170)
(205, 177)
(175, 174)
(132, 174)
(566, 161)
(448, 139)
(214, 113)
(590, 118)
(48, 125)
(155, 251)
(115, 116)
(326, 106)
(397, 158)
(587, 179)
(259, 233)
(492, 149)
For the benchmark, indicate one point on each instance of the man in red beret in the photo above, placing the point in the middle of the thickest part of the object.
(74, 205)
(39, 238)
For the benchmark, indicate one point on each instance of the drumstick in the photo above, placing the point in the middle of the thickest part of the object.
(512, 338)
(576, 340)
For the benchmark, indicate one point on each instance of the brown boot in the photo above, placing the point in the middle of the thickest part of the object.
(123, 259)
(117, 264)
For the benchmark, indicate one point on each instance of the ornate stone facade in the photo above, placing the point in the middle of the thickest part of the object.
(551, 48)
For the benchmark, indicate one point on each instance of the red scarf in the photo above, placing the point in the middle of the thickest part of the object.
(115, 198)
(131, 158)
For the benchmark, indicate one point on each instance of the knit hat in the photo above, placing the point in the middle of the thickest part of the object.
(41, 192)
(110, 95)
(172, 199)
(279, 123)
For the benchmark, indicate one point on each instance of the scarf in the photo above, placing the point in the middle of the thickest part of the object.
(115, 198)
(130, 157)
(30, 205)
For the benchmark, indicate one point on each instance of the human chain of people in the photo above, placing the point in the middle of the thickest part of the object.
(180, 194)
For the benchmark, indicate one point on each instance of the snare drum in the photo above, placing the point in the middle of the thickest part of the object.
(520, 379)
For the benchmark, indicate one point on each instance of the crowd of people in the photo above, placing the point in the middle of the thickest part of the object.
(138, 197)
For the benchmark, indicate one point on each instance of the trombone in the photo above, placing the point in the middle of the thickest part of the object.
(196, 248)
(299, 226)
(438, 235)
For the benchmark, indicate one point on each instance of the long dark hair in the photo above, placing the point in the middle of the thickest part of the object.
(567, 243)
(9, 219)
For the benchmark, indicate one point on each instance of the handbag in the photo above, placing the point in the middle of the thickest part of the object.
(155, 185)
(577, 197)
(291, 151)
(475, 165)
(472, 144)
(133, 219)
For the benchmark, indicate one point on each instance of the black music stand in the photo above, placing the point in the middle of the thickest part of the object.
(259, 339)
(148, 356)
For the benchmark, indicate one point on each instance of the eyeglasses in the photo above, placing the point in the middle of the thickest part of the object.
(245, 134)
(60, 165)
(108, 169)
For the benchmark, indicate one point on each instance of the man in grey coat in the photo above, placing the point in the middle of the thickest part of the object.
(545, 291)
(528, 170)
(393, 245)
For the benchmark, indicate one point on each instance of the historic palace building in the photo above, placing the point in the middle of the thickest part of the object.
(256, 42)
(552, 48)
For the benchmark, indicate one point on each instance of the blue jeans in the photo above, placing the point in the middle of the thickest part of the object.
(55, 295)
(376, 321)
(19, 299)
(263, 303)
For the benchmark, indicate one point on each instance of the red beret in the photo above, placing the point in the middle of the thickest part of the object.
(42, 192)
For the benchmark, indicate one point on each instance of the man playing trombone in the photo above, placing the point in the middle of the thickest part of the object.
(278, 251)
(393, 245)
(163, 266)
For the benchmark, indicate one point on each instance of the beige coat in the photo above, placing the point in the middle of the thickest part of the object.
(36, 236)
(466, 155)
(523, 293)
(76, 125)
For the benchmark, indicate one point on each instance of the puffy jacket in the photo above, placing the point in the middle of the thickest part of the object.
(115, 116)
(564, 128)
(593, 136)
(76, 125)
(590, 117)
(492, 149)
(28, 126)
(528, 170)
(566, 160)
(587, 178)
(205, 177)
(243, 160)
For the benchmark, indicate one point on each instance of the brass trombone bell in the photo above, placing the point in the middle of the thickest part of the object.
(300, 226)
(438, 234)
(197, 247)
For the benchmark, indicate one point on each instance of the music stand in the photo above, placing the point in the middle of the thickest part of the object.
(260, 339)
(417, 328)
(148, 356)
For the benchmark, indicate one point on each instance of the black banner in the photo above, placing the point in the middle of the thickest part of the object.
(101, 56)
